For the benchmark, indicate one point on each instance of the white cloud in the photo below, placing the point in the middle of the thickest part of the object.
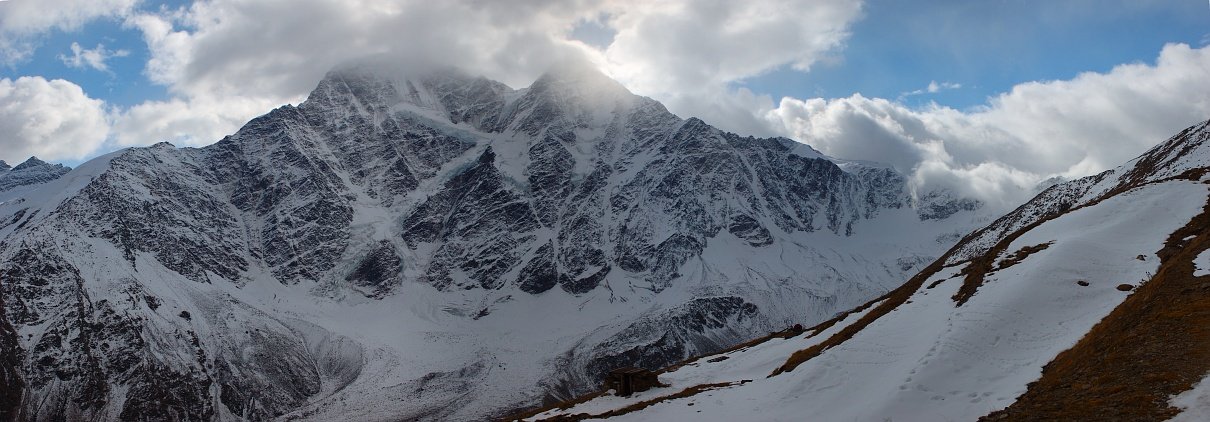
(687, 53)
(196, 122)
(223, 63)
(223, 52)
(94, 58)
(25, 16)
(932, 88)
(53, 120)
(197, 50)
(685, 47)
(999, 152)
(23, 21)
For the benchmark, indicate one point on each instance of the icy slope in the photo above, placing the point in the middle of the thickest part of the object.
(433, 246)
(1085, 308)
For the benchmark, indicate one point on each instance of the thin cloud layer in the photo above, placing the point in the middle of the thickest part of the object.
(92, 58)
(932, 88)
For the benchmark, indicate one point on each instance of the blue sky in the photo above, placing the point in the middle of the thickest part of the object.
(989, 97)
(988, 46)
(125, 86)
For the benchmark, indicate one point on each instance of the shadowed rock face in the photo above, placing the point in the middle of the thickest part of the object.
(379, 270)
(478, 224)
(940, 204)
(460, 183)
(694, 331)
(11, 382)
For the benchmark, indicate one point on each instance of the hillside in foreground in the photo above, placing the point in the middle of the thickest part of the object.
(1089, 302)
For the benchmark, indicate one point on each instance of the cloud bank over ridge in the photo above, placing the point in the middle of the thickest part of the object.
(1038, 130)
(223, 63)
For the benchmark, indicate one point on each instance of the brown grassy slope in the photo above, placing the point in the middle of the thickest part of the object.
(982, 265)
(1152, 346)
(1020, 255)
(784, 334)
(563, 405)
(688, 392)
(975, 271)
(977, 268)
(1147, 165)
(890, 301)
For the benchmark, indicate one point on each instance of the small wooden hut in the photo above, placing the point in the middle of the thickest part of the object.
(629, 380)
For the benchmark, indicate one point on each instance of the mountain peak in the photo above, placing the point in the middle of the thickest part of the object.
(31, 162)
(579, 75)
(29, 172)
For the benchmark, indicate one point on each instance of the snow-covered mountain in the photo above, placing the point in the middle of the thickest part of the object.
(1089, 302)
(30, 172)
(432, 245)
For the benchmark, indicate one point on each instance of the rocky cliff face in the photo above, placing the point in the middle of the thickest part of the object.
(433, 245)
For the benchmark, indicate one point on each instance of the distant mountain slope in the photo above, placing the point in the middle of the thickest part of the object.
(32, 171)
(432, 245)
(1089, 302)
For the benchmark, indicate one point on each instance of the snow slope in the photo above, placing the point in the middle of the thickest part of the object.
(942, 348)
